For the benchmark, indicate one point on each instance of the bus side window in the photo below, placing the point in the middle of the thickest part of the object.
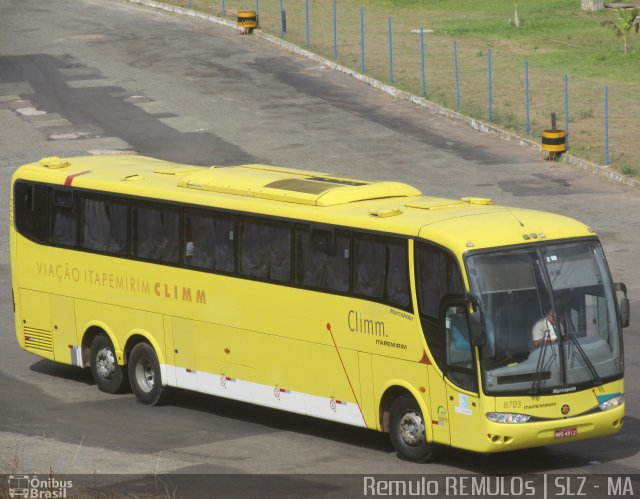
(264, 250)
(157, 232)
(381, 269)
(437, 275)
(104, 224)
(31, 209)
(64, 227)
(323, 259)
(209, 241)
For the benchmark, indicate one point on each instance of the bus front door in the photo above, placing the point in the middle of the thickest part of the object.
(440, 424)
(461, 380)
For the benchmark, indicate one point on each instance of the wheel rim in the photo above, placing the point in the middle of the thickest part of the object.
(105, 363)
(145, 375)
(412, 428)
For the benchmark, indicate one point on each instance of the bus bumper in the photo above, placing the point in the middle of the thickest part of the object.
(500, 437)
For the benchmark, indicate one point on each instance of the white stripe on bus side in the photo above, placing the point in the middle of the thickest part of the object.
(264, 395)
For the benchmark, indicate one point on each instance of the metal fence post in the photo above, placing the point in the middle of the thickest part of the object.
(188, 4)
(424, 83)
(566, 111)
(258, 11)
(335, 31)
(489, 89)
(281, 20)
(362, 37)
(224, 13)
(606, 126)
(526, 98)
(390, 52)
(455, 63)
(306, 11)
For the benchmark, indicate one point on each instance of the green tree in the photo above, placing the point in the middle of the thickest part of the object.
(627, 20)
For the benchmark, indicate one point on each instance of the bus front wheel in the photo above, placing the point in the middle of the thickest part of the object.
(145, 377)
(407, 431)
(107, 373)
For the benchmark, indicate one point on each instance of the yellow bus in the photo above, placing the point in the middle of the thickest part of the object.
(442, 322)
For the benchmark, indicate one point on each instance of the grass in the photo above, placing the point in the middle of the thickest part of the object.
(629, 170)
(555, 37)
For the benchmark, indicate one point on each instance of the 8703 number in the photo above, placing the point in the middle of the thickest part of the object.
(512, 404)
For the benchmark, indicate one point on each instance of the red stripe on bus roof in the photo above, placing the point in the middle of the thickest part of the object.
(70, 178)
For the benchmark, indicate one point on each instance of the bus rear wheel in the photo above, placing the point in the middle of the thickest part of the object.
(107, 373)
(145, 376)
(408, 431)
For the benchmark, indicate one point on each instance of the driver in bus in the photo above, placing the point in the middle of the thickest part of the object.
(544, 330)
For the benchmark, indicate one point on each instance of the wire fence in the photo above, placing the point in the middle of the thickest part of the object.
(489, 83)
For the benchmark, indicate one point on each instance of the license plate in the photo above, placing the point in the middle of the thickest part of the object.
(565, 432)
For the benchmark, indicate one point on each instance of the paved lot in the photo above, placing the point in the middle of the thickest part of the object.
(105, 75)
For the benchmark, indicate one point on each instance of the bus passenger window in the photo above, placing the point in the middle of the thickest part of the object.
(157, 232)
(437, 275)
(322, 259)
(398, 274)
(209, 241)
(264, 250)
(370, 256)
(31, 207)
(381, 269)
(104, 224)
(63, 218)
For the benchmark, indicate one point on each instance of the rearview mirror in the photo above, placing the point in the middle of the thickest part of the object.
(476, 321)
(625, 311)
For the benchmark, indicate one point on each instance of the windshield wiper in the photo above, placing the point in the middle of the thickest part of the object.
(590, 367)
(535, 384)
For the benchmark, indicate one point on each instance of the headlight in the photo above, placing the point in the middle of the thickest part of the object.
(612, 403)
(507, 417)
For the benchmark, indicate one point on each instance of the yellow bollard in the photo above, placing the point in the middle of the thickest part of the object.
(247, 21)
(553, 143)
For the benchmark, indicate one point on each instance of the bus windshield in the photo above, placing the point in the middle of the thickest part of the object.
(550, 318)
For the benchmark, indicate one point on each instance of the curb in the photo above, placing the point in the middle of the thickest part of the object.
(185, 12)
(481, 126)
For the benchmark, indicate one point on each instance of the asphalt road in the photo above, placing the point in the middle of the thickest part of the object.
(107, 75)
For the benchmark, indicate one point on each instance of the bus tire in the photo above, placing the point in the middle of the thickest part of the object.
(408, 431)
(145, 376)
(107, 373)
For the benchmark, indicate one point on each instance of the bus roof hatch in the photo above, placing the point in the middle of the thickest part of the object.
(292, 186)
